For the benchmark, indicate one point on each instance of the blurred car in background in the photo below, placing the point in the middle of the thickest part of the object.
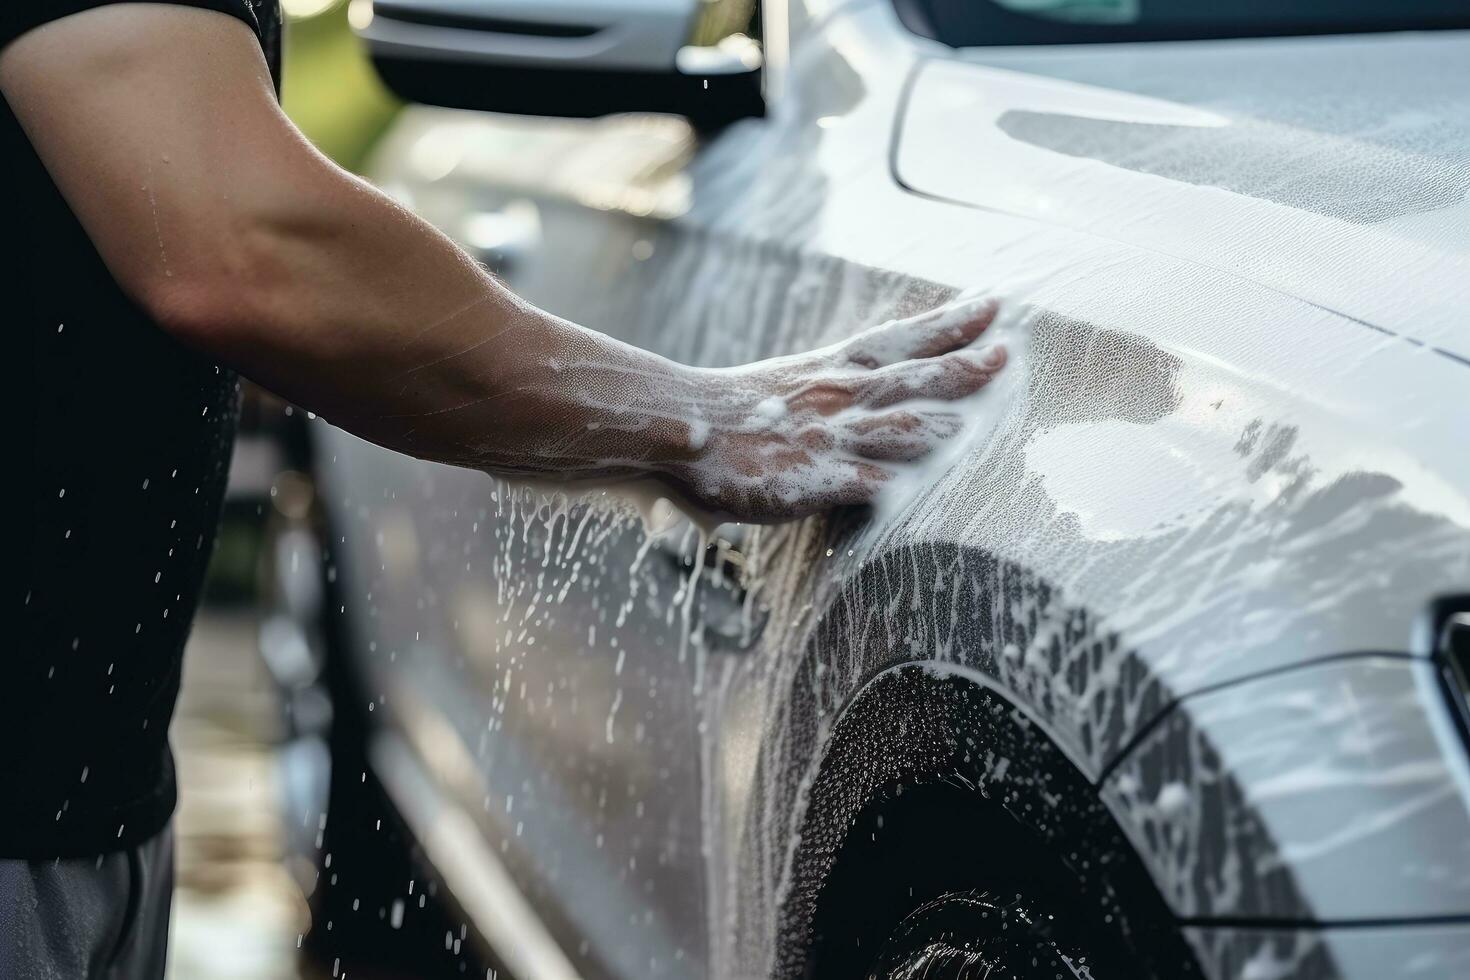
(1168, 680)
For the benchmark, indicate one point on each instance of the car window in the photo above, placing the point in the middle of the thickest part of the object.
(972, 23)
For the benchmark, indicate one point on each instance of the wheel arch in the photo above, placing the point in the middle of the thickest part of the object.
(925, 751)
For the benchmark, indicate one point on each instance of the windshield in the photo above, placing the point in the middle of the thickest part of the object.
(971, 23)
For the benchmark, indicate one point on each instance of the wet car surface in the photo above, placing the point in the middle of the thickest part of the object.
(1169, 633)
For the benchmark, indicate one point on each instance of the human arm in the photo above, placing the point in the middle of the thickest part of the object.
(160, 126)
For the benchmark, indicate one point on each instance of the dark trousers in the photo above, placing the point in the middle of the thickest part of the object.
(100, 918)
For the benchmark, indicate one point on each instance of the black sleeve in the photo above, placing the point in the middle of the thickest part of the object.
(19, 16)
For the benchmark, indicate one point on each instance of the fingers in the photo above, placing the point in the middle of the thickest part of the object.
(789, 494)
(833, 427)
(858, 485)
(953, 331)
(897, 355)
(958, 374)
(822, 397)
(928, 335)
(899, 437)
(891, 449)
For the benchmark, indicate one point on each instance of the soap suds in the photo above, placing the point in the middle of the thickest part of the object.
(855, 452)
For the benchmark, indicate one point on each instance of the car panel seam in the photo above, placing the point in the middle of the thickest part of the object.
(1249, 922)
(895, 139)
(1164, 712)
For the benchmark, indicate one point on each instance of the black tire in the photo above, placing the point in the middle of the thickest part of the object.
(908, 810)
(974, 935)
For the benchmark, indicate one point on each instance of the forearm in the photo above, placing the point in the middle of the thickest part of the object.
(332, 295)
(346, 304)
(160, 126)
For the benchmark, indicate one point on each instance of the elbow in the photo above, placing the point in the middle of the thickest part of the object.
(225, 305)
(196, 311)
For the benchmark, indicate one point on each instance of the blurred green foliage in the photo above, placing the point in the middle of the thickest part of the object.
(330, 89)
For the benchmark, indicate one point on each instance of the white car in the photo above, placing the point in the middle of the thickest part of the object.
(1166, 677)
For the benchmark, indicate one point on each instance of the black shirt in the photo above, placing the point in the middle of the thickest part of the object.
(124, 440)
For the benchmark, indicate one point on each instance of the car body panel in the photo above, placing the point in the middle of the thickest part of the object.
(1366, 953)
(1195, 477)
(534, 723)
(1332, 775)
(1357, 204)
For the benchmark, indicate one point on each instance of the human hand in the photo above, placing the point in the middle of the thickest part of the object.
(792, 436)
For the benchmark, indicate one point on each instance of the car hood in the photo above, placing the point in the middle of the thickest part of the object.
(1332, 169)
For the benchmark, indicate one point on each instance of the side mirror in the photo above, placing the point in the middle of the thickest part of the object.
(579, 58)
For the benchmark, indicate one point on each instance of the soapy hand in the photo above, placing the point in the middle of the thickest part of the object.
(792, 436)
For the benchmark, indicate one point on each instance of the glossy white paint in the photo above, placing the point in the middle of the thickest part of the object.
(1238, 447)
(1332, 774)
(1352, 200)
(480, 883)
(1374, 953)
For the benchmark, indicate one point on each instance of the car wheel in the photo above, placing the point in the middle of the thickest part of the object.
(974, 935)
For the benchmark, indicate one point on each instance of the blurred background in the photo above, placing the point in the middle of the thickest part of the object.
(240, 911)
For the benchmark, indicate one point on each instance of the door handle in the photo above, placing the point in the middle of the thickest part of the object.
(731, 622)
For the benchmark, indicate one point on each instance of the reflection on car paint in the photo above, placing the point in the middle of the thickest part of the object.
(1207, 476)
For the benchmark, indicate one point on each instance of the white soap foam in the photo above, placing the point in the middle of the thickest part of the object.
(751, 442)
(981, 412)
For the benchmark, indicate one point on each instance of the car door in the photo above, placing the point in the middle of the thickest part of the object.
(539, 646)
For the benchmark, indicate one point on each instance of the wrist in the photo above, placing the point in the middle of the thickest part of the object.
(682, 423)
(690, 415)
